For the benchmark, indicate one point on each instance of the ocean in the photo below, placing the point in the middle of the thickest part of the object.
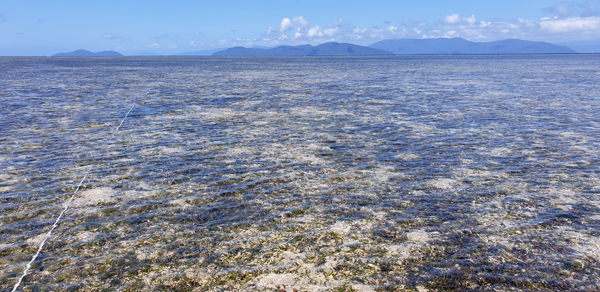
(396, 173)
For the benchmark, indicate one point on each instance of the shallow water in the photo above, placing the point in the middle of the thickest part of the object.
(237, 174)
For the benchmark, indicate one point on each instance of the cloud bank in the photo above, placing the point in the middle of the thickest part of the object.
(573, 9)
(570, 21)
(576, 25)
(567, 22)
(111, 36)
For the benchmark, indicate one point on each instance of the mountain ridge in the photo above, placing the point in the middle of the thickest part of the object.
(86, 53)
(460, 46)
(326, 49)
(200, 53)
(439, 46)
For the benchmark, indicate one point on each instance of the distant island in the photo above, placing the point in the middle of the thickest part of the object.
(440, 46)
(460, 46)
(200, 53)
(326, 49)
(84, 53)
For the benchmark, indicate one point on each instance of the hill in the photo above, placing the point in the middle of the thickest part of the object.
(326, 49)
(200, 53)
(459, 46)
(84, 53)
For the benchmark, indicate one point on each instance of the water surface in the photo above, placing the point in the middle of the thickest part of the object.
(315, 174)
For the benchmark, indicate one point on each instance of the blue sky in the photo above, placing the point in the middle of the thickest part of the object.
(42, 27)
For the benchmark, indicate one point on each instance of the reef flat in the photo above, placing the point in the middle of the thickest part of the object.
(400, 173)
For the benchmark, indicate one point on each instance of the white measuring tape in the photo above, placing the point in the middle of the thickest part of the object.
(63, 212)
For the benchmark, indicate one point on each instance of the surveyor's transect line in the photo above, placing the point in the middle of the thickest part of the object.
(49, 233)
(63, 212)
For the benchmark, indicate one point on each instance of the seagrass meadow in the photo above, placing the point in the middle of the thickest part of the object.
(396, 173)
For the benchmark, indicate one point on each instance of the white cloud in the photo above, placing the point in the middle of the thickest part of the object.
(471, 20)
(315, 31)
(377, 31)
(451, 33)
(272, 30)
(172, 47)
(513, 25)
(300, 21)
(298, 31)
(154, 46)
(332, 31)
(194, 44)
(588, 25)
(359, 30)
(560, 10)
(110, 36)
(565, 9)
(289, 24)
(452, 19)
(286, 24)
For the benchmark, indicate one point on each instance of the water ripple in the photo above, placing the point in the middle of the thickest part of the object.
(245, 174)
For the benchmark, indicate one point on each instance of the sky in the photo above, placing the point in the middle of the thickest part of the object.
(42, 27)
